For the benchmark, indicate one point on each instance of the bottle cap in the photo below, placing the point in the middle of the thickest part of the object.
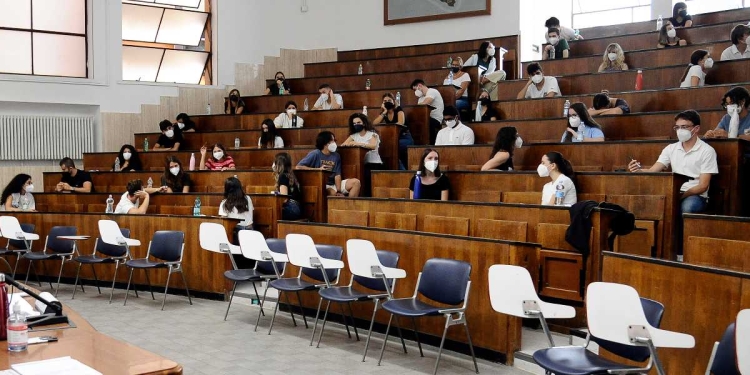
(17, 308)
(2, 277)
(640, 71)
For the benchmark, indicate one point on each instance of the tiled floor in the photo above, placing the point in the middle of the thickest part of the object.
(200, 340)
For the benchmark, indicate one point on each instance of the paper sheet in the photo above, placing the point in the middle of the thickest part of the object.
(55, 366)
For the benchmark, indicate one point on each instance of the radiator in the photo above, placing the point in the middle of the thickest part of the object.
(45, 137)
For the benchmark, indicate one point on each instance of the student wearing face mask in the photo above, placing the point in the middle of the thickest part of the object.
(435, 185)
(680, 16)
(287, 184)
(614, 59)
(325, 158)
(668, 37)
(129, 159)
(501, 158)
(581, 127)
(559, 170)
(219, 161)
(739, 49)
(184, 124)
(485, 111)
(539, 86)
(736, 123)
(169, 140)
(565, 32)
(17, 194)
(289, 118)
(604, 105)
(234, 105)
(269, 137)
(559, 45)
(695, 73)
(432, 98)
(73, 179)
(489, 75)
(363, 134)
(174, 179)
(134, 201)
(454, 133)
(460, 82)
(328, 99)
(690, 157)
(280, 87)
(393, 114)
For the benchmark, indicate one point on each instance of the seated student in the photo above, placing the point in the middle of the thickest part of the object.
(74, 180)
(325, 158)
(455, 132)
(17, 194)
(129, 159)
(289, 118)
(565, 32)
(736, 101)
(218, 161)
(539, 86)
(328, 99)
(559, 170)
(236, 204)
(489, 75)
(184, 123)
(169, 140)
(558, 45)
(739, 49)
(691, 157)
(485, 111)
(432, 98)
(614, 59)
(435, 185)
(604, 105)
(134, 201)
(392, 114)
(234, 105)
(680, 17)
(287, 184)
(668, 37)
(174, 179)
(460, 82)
(269, 137)
(695, 73)
(501, 158)
(363, 134)
(581, 127)
(280, 87)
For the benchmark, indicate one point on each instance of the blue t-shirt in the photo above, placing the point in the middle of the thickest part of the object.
(744, 124)
(316, 159)
(588, 132)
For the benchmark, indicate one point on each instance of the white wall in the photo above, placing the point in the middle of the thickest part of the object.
(533, 13)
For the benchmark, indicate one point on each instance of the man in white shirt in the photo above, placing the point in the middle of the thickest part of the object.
(432, 98)
(454, 133)
(565, 32)
(690, 157)
(539, 86)
(739, 49)
(129, 203)
(328, 99)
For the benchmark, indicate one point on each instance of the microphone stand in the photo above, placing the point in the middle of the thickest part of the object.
(53, 314)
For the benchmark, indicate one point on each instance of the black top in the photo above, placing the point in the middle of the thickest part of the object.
(433, 191)
(508, 165)
(240, 103)
(294, 190)
(394, 120)
(133, 166)
(188, 126)
(674, 22)
(78, 180)
(178, 185)
(166, 142)
(274, 88)
(622, 104)
(489, 114)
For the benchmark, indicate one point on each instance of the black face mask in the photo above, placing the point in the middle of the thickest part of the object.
(359, 128)
(234, 98)
(389, 105)
(280, 79)
(455, 69)
(485, 101)
(682, 13)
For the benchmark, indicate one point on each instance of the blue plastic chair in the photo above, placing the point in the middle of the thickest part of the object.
(167, 248)
(104, 253)
(724, 356)
(17, 248)
(54, 249)
(445, 281)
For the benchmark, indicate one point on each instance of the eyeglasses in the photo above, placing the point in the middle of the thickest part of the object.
(683, 127)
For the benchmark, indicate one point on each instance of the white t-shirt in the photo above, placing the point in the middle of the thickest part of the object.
(16, 201)
(459, 135)
(323, 103)
(283, 121)
(550, 85)
(457, 83)
(570, 191)
(247, 216)
(694, 71)
(474, 61)
(437, 103)
(277, 142)
(732, 53)
(372, 156)
(125, 204)
(700, 159)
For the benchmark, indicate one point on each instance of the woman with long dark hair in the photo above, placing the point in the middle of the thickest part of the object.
(184, 123)
(269, 136)
(218, 161)
(17, 194)
(695, 73)
(392, 113)
(234, 105)
(287, 184)
(559, 170)
(506, 141)
(581, 127)
(489, 73)
(237, 205)
(129, 159)
(680, 16)
(668, 37)
(434, 185)
(174, 179)
(363, 134)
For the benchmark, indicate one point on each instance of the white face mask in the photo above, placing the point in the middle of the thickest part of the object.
(491, 51)
(574, 121)
(519, 142)
(218, 155)
(684, 135)
(180, 125)
(612, 56)
(554, 40)
(126, 155)
(431, 165)
(747, 40)
(542, 170)
(418, 93)
(672, 33)
(733, 109)
(332, 147)
(291, 111)
(709, 63)
(537, 79)
(451, 123)
(29, 188)
(174, 171)
(169, 133)
(324, 96)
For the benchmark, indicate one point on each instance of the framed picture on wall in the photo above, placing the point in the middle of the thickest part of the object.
(408, 11)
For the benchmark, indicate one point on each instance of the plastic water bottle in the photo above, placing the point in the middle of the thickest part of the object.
(639, 80)
(368, 84)
(418, 185)
(192, 161)
(306, 106)
(659, 23)
(18, 330)
(237, 143)
(398, 99)
(197, 207)
(110, 205)
(145, 144)
(580, 132)
(552, 53)
(450, 77)
(364, 110)
(450, 61)
(24, 203)
(150, 183)
(559, 193)
(117, 164)
(208, 108)
(566, 108)
(359, 70)
(281, 89)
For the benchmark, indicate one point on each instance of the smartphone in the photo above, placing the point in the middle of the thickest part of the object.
(42, 339)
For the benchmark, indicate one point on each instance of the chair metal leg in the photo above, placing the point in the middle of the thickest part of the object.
(59, 275)
(299, 301)
(18, 257)
(442, 341)
(416, 334)
(323, 328)
(75, 284)
(317, 314)
(28, 271)
(262, 301)
(166, 289)
(149, 285)
(127, 290)
(234, 287)
(96, 279)
(273, 317)
(258, 297)
(36, 275)
(354, 324)
(346, 324)
(401, 335)
(187, 290)
(369, 332)
(385, 339)
(471, 345)
(114, 277)
(288, 302)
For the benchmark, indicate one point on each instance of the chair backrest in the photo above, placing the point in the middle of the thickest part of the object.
(9, 226)
(109, 232)
(328, 252)
(213, 237)
(510, 286)
(387, 259)
(20, 244)
(725, 361)
(300, 248)
(445, 280)
(277, 245)
(742, 341)
(113, 250)
(167, 245)
(654, 312)
(253, 245)
(57, 245)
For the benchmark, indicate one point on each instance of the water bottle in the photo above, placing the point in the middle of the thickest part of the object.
(237, 143)
(364, 110)
(145, 144)
(208, 108)
(117, 164)
(659, 23)
(24, 203)
(450, 77)
(110, 205)
(281, 89)
(566, 108)
(580, 132)
(398, 99)
(552, 53)
(306, 106)
(150, 183)
(359, 70)
(192, 161)
(559, 193)
(197, 207)
(418, 185)
(639, 80)
(368, 84)
(450, 61)
(18, 330)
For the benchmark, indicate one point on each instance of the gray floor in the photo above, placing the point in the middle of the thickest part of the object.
(200, 340)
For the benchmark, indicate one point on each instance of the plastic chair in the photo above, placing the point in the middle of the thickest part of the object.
(512, 293)
(111, 234)
(743, 341)
(109, 254)
(16, 246)
(54, 249)
(167, 247)
(445, 281)
(723, 359)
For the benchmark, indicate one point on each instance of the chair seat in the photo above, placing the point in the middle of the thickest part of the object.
(343, 294)
(145, 263)
(292, 284)
(574, 360)
(93, 259)
(15, 252)
(244, 275)
(410, 307)
(38, 255)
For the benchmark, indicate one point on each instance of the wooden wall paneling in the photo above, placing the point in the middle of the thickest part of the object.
(389, 220)
(378, 66)
(522, 197)
(359, 218)
(642, 241)
(739, 15)
(718, 252)
(457, 226)
(501, 229)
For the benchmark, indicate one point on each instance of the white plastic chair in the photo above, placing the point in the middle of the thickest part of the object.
(11, 229)
(111, 234)
(743, 342)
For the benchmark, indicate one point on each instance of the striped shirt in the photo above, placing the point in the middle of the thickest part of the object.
(226, 162)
